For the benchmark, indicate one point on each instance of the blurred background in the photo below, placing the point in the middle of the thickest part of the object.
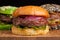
(27, 2)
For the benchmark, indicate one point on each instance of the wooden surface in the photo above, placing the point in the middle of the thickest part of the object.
(55, 33)
(52, 35)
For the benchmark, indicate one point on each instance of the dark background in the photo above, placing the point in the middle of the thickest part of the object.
(27, 2)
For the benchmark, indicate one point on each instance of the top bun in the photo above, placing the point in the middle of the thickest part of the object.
(31, 10)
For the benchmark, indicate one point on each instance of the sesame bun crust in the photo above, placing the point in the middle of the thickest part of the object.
(31, 10)
(29, 31)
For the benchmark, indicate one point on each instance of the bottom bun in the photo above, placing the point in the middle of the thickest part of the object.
(29, 31)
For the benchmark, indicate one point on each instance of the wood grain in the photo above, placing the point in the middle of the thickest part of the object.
(55, 33)
(52, 35)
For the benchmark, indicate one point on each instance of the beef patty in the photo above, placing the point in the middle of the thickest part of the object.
(29, 21)
(5, 18)
(54, 20)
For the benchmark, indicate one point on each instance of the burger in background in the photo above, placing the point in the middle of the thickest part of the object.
(6, 17)
(54, 20)
(30, 20)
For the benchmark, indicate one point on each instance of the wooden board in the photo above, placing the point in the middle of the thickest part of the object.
(7, 35)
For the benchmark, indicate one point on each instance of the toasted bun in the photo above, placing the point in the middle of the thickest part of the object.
(31, 10)
(29, 31)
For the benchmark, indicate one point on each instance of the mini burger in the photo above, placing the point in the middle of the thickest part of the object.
(54, 19)
(6, 17)
(30, 20)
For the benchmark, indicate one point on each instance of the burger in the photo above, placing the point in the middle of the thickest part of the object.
(6, 17)
(54, 19)
(30, 20)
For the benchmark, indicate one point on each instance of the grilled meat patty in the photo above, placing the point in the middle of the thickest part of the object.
(54, 20)
(29, 21)
(5, 18)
